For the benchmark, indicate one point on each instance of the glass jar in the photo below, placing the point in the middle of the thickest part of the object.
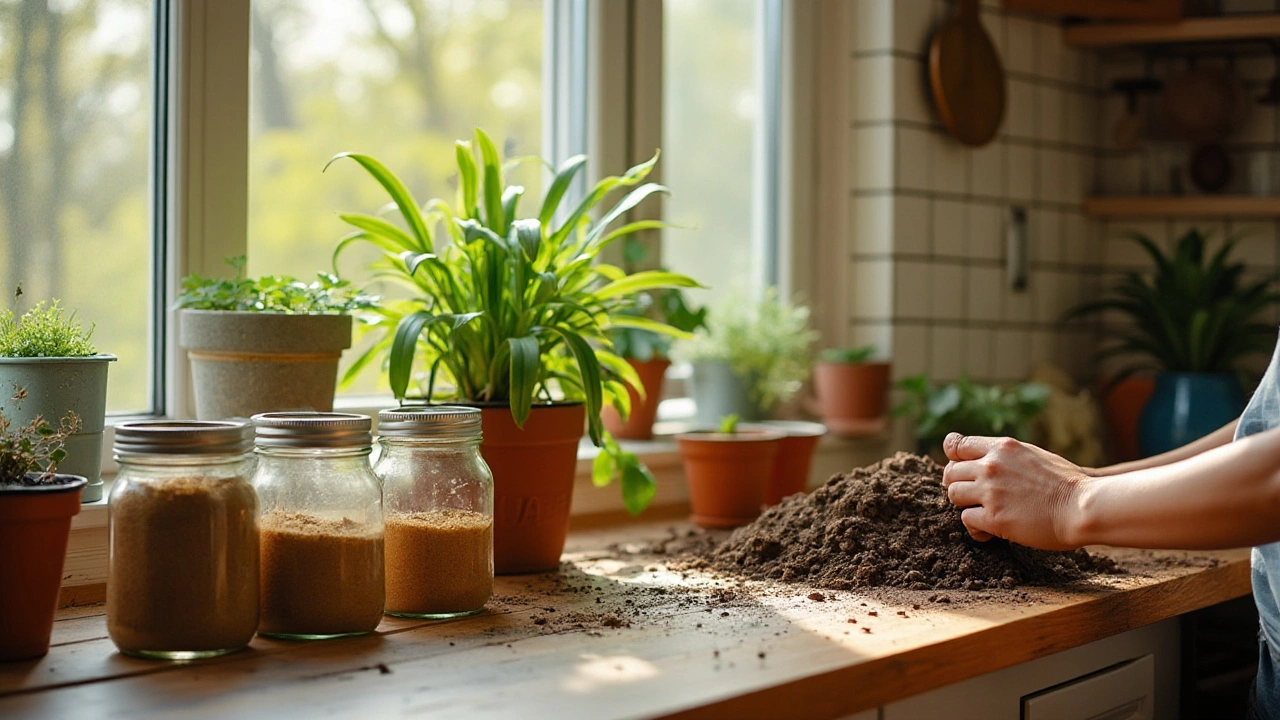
(438, 494)
(182, 564)
(321, 521)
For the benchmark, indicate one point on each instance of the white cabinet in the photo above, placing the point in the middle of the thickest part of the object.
(1123, 692)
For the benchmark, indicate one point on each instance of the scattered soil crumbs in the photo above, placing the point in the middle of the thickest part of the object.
(886, 525)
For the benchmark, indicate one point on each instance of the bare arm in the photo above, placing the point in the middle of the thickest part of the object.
(1215, 439)
(1225, 497)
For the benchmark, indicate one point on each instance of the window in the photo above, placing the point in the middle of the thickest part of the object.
(75, 166)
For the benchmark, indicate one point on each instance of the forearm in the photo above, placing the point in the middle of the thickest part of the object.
(1226, 497)
(1217, 438)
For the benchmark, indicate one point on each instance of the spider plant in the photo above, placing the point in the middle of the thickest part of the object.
(508, 308)
(1189, 315)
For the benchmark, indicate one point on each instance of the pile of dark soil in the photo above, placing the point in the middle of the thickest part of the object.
(886, 525)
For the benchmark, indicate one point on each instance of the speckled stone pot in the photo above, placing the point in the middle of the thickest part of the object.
(244, 363)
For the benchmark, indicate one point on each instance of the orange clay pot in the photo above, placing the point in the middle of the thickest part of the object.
(533, 473)
(34, 525)
(795, 456)
(852, 397)
(728, 474)
(639, 425)
(1123, 406)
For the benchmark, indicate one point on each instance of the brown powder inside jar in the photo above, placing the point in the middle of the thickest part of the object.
(439, 562)
(183, 573)
(320, 576)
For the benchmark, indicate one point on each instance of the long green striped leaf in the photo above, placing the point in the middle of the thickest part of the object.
(398, 192)
(491, 171)
(589, 369)
(559, 186)
(467, 178)
(525, 362)
(647, 280)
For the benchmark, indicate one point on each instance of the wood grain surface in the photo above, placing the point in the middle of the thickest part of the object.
(698, 646)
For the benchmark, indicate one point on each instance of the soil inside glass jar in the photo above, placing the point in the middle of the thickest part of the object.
(439, 562)
(183, 575)
(320, 576)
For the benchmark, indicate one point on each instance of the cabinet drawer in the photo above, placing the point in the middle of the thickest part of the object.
(1122, 692)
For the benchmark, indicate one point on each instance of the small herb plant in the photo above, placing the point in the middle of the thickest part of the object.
(327, 295)
(668, 306)
(29, 454)
(849, 356)
(971, 408)
(45, 330)
(729, 424)
(765, 343)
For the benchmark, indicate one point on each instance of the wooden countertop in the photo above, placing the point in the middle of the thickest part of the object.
(696, 646)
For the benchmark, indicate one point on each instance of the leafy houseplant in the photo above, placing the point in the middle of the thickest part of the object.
(728, 471)
(512, 313)
(970, 408)
(49, 368)
(1193, 320)
(265, 344)
(852, 390)
(750, 358)
(36, 507)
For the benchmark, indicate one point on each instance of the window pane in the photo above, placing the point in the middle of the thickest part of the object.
(397, 79)
(712, 114)
(75, 121)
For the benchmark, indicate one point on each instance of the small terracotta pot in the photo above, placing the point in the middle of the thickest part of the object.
(852, 397)
(639, 425)
(533, 472)
(728, 474)
(795, 457)
(34, 525)
(1123, 407)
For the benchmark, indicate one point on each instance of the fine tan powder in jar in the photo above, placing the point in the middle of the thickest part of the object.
(184, 566)
(439, 562)
(320, 576)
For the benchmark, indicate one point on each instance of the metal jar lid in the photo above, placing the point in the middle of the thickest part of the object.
(442, 422)
(182, 437)
(313, 430)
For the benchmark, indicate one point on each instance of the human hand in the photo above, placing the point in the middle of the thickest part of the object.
(1012, 490)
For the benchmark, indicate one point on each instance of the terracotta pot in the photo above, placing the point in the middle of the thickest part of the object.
(533, 472)
(34, 525)
(795, 456)
(728, 474)
(1123, 407)
(639, 425)
(852, 397)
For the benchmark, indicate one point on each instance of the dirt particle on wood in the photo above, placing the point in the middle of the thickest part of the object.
(886, 525)
(817, 597)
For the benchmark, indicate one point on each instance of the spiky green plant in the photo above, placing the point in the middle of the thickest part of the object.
(46, 330)
(971, 408)
(510, 308)
(851, 356)
(1187, 315)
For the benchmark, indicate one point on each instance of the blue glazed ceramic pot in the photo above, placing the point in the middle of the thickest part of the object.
(1186, 407)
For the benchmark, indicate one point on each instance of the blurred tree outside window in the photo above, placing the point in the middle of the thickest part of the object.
(75, 159)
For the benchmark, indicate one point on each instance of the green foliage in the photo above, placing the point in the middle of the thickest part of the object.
(1189, 315)
(765, 343)
(36, 447)
(638, 484)
(45, 330)
(508, 308)
(729, 424)
(852, 356)
(328, 295)
(671, 308)
(969, 408)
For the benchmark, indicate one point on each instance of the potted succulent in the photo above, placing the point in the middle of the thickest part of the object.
(649, 353)
(49, 368)
(1191, 322)
(728, 470)
(969, 408)
(265, 345)
(852, 390)
(36, 507)
(511, 314)
(750, 358)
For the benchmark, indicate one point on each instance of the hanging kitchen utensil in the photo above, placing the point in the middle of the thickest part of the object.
(1204, 104)
(1210, 168)
(966, 77)
(1129, 128)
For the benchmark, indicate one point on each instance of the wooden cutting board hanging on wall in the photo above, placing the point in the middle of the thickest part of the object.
(966, 77)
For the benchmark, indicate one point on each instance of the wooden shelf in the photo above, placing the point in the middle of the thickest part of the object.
(1222, 206)
(1214, 29)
